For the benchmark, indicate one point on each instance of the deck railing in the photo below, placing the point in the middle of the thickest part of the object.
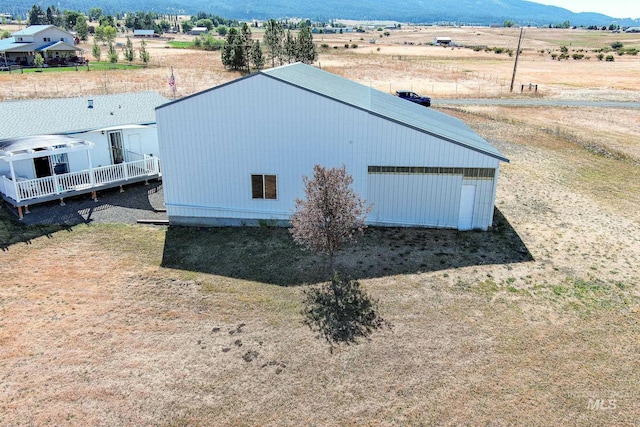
(79, 181)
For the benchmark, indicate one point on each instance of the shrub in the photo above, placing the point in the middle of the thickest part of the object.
(324, 46)
(616, 45)
(577, 56)
(498, 50)
(354, 45)
(609, 58)
(600, 56)
(346, 45)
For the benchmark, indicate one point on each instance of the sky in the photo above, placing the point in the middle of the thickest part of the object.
(614, 8)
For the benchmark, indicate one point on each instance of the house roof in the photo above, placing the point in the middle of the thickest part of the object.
(383, 105)
(33, 30)
(56, 46)
(143, 32)
(11, 44)
(72, 115)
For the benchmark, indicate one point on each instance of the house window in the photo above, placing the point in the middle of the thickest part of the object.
(264, 187)
(47, 39)
(60, 163)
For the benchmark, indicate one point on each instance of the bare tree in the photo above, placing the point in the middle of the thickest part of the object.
(331, 214)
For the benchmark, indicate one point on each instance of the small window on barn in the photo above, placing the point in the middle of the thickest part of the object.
(264, 187)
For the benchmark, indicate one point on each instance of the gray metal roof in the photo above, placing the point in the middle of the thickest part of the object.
(383, 104)
(73, 115)
(32, 30)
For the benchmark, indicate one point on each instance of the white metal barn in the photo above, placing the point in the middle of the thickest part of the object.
(235, 154)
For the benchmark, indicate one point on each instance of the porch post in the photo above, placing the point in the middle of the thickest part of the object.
(15, 182)
(124, 171)
(56, 184)
(92, 179)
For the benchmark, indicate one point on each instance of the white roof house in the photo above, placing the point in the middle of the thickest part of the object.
(50, 41)
(236, 154)
(55, 148)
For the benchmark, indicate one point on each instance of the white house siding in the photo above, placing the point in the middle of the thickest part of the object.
(213, 142)
(137, 141)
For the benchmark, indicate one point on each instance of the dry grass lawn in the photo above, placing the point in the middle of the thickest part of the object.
(534, 323)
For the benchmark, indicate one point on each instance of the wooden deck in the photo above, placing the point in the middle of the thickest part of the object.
(23, 193)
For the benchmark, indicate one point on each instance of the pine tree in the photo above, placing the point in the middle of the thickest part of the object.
(112, 54)
(237, 52)
(129, 53)
(290, 48)
(273, 38)
(306, 49)
(145, 57)
(247, 44)
(37, 16)
(229, 48)
(256, 56)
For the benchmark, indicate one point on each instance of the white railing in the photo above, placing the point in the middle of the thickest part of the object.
(73, 181)
(112, 173)
(79, 181)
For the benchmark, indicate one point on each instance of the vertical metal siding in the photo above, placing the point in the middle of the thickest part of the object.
(210, 145)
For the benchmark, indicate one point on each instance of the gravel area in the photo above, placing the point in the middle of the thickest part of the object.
(138, 201)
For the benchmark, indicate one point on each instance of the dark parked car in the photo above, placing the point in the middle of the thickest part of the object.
(414, 97)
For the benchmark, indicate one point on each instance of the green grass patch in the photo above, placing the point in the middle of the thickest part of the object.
(181, 44)
(587, 296)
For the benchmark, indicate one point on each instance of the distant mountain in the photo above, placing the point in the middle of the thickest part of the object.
(480, 12)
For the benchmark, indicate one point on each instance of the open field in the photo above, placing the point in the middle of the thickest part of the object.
(402, 60)
(534, 323)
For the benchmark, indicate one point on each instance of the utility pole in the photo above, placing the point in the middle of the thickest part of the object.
(515, 65)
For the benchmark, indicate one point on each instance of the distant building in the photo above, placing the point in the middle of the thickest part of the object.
(55, 45)
(143, 33)
(442, 41)
(197, 31)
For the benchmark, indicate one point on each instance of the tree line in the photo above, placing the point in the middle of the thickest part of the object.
(240, 52)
